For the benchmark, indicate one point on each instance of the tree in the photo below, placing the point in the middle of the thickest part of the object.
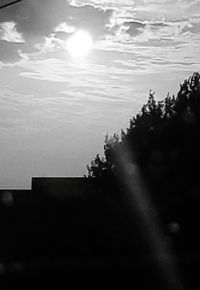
(165, 138)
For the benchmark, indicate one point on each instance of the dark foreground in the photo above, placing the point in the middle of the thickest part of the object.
(76, 235)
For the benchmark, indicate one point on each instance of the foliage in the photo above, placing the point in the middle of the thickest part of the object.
(165, 139)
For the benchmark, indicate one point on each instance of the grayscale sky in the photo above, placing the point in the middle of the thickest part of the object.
(55, 110)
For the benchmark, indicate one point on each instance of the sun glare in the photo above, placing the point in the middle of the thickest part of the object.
(79, 44)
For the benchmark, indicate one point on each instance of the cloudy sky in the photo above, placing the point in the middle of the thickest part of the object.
(56, 109)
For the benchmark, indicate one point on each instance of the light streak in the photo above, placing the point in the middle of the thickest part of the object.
(139, 203)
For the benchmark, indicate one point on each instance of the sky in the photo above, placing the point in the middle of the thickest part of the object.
(55, 110)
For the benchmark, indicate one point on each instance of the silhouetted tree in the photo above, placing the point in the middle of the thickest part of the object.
(165, 139)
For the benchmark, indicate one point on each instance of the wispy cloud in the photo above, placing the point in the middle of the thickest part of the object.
(28, 31)
(32, 22)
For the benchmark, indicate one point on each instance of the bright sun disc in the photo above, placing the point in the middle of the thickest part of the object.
(80, 44)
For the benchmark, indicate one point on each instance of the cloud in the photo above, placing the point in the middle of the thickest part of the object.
(134, 27)
(9, 32)
(35, 18)
(91, 18)
(132, 31)
(32, 22)
(44, 25)
(142, 36)
(171, 10)
(193, 26)
(106, 4)
(9, 52)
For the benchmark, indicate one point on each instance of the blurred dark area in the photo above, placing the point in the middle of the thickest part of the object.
(71, 232)
(67, 231)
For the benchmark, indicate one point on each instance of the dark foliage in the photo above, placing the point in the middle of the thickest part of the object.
(157, 132)
(165, 140)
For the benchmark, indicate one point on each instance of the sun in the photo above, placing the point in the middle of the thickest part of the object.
(79, 44)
